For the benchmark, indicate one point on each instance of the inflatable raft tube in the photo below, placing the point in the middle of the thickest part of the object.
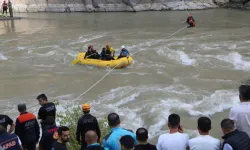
(117, 63)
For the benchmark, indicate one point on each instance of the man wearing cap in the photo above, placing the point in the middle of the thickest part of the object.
(27, 128)
(124, 52)
(85, 123)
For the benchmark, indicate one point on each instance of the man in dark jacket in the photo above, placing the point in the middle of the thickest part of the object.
(27, 128)
(86, 123)
(91, 140)
(5, 121)
(233, 138)
(48, 137)
(47, 109)
(9, 141)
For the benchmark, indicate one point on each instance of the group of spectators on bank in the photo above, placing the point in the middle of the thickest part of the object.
(235, 129)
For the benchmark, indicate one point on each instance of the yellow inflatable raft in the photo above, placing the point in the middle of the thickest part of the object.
(117, 63)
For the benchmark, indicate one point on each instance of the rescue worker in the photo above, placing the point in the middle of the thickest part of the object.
(190, 17)
(9, 141)
(47, 109)
(124, 52)
(103, 53)
(111, 49)
(49, 136)
(106, 54)
(4, 7)
(111, 141)
(5, 121)
(27, 128)
(190, 21)
(85, 123)
(88, 54)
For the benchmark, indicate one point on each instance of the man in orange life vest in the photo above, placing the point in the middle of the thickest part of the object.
(27, 128)
(9, 141)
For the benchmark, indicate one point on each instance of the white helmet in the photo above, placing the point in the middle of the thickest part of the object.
(122, 46)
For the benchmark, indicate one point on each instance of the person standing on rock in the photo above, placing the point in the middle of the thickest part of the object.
(5, 7)
(10, 8)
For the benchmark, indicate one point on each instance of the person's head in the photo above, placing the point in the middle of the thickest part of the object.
(189, 15)
(127, 142)
(107, 46)
(227, 126)
(42, 98)
(4, 1)
(174, 121)
(91, 137)
(142, 135)
(85, 108)
(122, 47)
(244, 93)
(104, 48)
(50, 120)
(204, 125)
(113, 120)
(21, 107)
(2, 129)
(64, 134)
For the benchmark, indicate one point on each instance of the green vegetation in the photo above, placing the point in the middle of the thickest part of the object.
(70, 118)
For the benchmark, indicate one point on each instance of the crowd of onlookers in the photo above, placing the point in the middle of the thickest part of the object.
(236, 130)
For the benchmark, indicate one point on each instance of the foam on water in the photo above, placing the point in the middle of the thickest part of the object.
(82, 39)
(2, 57)
(182, 57)
(170, 97)
(236, 59)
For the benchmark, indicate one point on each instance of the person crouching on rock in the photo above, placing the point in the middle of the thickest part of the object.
(124, 52)
(5, 7)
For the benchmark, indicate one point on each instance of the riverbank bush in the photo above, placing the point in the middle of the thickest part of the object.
(69, 117)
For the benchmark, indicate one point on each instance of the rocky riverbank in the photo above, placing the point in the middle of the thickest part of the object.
(108, 5)
(120, 5)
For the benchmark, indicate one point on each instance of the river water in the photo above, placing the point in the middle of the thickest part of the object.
(193, 73)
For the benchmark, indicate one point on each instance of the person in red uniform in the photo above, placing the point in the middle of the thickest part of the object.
(5, 7)
(48, 137)
(27, 128)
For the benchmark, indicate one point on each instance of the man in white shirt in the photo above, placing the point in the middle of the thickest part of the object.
(204, 141)
(175, 139)
(241, 114)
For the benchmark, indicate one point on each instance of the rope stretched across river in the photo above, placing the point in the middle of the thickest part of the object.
(119, 64)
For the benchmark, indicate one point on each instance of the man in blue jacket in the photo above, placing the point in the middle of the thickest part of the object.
(124, 52)
(111, 141)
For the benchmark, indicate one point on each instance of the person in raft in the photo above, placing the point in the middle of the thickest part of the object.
(124, 52)
(111, 49)
(91, 53)
(106, 54)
